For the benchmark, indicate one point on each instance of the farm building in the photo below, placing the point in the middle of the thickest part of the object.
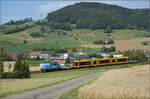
(58, 60)
(12, 56)
(40, 54)
(116, 54)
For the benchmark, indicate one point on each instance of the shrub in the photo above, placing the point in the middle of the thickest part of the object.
(107, 50)
(138, 55)
(144, 43)
(25, 41)
(109, 41)
(36, 34)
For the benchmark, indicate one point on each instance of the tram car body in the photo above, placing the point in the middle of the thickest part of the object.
(100, 62)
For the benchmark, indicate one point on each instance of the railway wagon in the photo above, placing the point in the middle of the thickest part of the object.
(100, 62)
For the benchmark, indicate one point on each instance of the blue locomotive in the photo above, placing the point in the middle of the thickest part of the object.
(50, 67)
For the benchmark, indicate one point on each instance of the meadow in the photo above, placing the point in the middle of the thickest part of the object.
(77, 38)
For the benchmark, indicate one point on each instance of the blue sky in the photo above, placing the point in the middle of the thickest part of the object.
(38, 9)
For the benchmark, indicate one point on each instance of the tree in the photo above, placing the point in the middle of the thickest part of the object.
(68, 61)
(37, 35)
(108, 30)
(138, 55)
(21, 69)
(1, 68)
(2, 58)
(112, 49)
(61, 26)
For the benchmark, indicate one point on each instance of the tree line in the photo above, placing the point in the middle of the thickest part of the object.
(22, 21)
(100, 16)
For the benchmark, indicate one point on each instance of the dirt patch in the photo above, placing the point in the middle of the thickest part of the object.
(124, 44)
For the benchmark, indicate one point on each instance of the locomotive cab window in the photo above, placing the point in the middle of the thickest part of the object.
(113, 60)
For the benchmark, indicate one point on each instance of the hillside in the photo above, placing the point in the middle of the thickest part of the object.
(27, 35)
(97, 15)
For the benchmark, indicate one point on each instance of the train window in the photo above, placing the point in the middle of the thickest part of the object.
(94, 62)
(104, 61)
(76, 64)
(122, 60)
(84, 63)
(113, 60)
(80, 63)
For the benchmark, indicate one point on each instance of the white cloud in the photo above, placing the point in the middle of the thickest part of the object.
(53, 5)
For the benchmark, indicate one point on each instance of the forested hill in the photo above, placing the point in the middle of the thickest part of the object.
(97, 15)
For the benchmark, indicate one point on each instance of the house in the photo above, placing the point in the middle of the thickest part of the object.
(58, 60)
(12, 56)
(40, 54)
(64, 56)
(105, 55)
(81, 55)
(115, 54)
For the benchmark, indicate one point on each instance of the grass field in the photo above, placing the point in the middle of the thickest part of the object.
(12, 86)
(131, 83)
(74, 39)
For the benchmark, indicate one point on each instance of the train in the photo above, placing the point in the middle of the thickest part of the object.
(87, 63)
(100, 62)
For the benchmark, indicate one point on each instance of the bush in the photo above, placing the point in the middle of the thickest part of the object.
(25, 41)
(107, 50)
(9, 75)
(36, 34)
(138, 55)
(144, 43)
(109, 41)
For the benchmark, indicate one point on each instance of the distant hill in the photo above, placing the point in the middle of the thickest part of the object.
(97, 15)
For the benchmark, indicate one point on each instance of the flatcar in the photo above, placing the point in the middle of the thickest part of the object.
(100, 62)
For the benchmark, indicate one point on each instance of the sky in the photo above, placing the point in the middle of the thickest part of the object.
(38, 9)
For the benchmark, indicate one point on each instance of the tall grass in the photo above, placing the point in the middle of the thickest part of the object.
(131, 83)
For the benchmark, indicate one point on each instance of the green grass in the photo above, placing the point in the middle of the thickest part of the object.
(52, 40)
